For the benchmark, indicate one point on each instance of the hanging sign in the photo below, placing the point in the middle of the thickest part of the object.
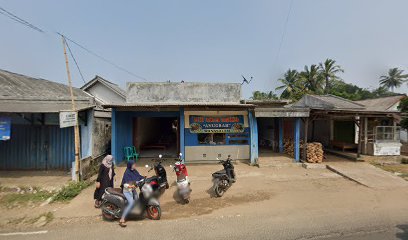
(5, 126)
(217, 124)
(68, 119)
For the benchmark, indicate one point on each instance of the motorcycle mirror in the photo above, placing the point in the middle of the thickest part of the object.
(160, 156)
(181, 154)
(146, 166)
(218, 159)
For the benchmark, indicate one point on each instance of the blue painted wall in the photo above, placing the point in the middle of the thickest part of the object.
(86, 135)
(253, 124)
(122, 129)
(37, 148)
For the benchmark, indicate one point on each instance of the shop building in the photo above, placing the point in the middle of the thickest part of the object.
(204, 121)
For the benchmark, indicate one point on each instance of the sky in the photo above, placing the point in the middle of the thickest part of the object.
(206, 41)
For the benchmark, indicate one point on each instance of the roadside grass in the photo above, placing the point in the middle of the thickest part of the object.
(400, 170)
(70, 191)
(14, 199)
(11, 198)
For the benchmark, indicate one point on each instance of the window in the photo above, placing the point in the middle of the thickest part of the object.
(212, 138)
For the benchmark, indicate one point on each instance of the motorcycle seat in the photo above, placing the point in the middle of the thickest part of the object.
(115, 191)
(219, 173)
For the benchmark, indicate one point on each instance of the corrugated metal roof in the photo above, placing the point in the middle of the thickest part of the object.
(382, 104)
(19, 93)
(327, 102)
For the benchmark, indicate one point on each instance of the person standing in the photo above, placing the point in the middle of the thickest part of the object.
(104, 180)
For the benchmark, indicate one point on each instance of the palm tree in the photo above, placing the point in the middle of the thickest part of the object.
(290, 83)
(329, 70)
(258, 95)
(312, 78)
(394, 79)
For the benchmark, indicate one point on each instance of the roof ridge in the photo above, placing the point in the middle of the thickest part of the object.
(345, 99)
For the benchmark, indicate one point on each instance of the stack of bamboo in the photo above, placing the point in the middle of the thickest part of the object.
(314, 152)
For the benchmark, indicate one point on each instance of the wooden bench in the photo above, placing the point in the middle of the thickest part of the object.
(343, 145)
(154, 146)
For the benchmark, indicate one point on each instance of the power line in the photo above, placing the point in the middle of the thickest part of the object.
(104, 59)
(284, 32)
(75, 61)
(32, 26)
(19, 20)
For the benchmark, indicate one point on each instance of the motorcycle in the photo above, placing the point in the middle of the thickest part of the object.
(183, 184)
(223, 179)
(160, 177)
(114, 202)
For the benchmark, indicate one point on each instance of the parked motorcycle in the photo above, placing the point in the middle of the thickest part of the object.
(160, 178)
(114, 202)
(183, 183)
(223, 179)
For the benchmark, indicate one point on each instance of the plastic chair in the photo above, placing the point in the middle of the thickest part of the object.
(128, 153)
(134, 153)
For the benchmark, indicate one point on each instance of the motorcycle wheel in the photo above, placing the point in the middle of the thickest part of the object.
(219, 191)
(187, 201)
(153, 212)
(111, 207)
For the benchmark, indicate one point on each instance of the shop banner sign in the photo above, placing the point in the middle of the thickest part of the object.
(217, 124)
(5, 126)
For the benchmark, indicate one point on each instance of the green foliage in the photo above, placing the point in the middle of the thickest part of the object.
(70, 191)
(353, 92)
(403, 107)
(324, 79)
(394, 79)
(15, 199)
(329, 70)
(258, 95)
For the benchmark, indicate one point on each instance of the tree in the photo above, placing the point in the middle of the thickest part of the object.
(291, 86)
(258, 95)
(312, 79)
(394, 79)
(329, 70)
(403, 107)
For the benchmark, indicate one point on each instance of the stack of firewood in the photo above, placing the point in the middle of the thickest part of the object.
(314, 152)
(289, 147)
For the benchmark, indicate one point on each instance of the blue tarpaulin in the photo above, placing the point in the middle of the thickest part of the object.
(5, 126)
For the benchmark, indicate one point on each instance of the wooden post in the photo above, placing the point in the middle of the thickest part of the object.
(76, 127)
(306, 126)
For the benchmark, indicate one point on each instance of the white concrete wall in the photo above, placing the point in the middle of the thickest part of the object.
(203, 153)
(105, 94)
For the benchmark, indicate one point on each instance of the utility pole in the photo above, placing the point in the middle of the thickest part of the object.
(76, 127)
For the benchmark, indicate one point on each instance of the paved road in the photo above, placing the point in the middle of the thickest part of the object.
(249, 221)
(310, 206)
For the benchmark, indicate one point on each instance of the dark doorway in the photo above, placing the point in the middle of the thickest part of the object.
(156, 135)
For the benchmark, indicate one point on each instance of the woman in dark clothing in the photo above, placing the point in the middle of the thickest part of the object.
(105, 179)
(129, 183)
